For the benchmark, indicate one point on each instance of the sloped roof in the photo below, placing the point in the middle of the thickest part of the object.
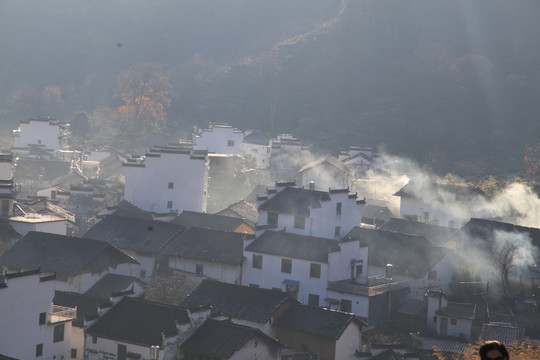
(44, 206)
(447, 346)
(209, 245)
(317, 321)
(236, 301)
(294, 246)
(410, 255)
(148, 236)
(221, 339)
(257, 138)
(389, 355)
(328, 159)
(437, 235)
(7, 233)
(139, 321)
(111, 283)
(295, 201)
(209, 221)
(127, 209)
(377, 212)
(357, 155)
(415, 190)
(252, 196)
(87, 306)
(458, 310)
(245, 210)
(63, 255)
(506, 334)
(26, 169)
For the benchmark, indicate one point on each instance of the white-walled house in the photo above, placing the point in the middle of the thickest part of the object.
(219, 139)
(301, 265)
(257, 145)
(77, 262)
(39, 222)
(361, 158)
(442, 204)
(45, 133)
(326, 173)
(328, 214)
(168, 179)
(447, 318)
(132, 327)
(31, 326)
(6, 185)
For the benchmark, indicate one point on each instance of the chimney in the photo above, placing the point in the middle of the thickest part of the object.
(312, 185)
(389, 271)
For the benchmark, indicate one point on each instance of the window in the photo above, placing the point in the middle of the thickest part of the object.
(337, 231)
(169, 204)
(94, 339)
(121, 352)
(453, 321)
(171, 185)
(358, 267)
(230, 143)
(42, 318)
(73, 353)
(257, 261)
(39, 350)
(338, 209)
(432, 275)
(313, 300)
(198, 269)
(299, 222)
(58, 333)
(272, 218)
(315, 270)
(434, 319)
(346, 305)
(143, 274)
(286, 266)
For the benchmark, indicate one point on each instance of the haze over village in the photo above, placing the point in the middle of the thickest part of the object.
(306, 180)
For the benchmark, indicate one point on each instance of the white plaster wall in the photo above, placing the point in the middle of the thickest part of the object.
(6, 170)
(265, 328)
(461, 329)
(437, 213)
(216, 139)
(360, 304)
(33, 131)
(256, 349)
(261, 153)
(77, 341)
(434, 304)
(339, 263)
(147, 187)
(21, 303)
(270, 276)
(106, 347)
(349, 342)
(147, 263)
(222, 272)
(52, 227)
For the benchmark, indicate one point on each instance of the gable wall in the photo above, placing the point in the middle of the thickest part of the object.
(349, 342)
(257, 349)
(32, 132)
(326, 348)
(222, 272)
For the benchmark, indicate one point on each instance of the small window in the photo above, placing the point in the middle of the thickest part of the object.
(198, 269)
(143, 274)
(58, 333)
(286, 266)
(230, 143)
(73, 353)
(121, 352)
(453, 321)
(39, 141)
(272, 218)
(426, 215)
(169, 204)
(257, 261)
(338, 209)
(171, 185)
(346, 305)
(42, 318)
(313, 300)
(432, 275)
(39, 350)
(337, 231)
(434, 319)
(94, 339)
(299, 222)
(315, 270)
(358, 268)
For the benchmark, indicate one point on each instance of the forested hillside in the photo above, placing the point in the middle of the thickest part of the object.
(453, 83)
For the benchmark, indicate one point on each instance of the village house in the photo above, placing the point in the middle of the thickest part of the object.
(37, 222)
(257, 146)
(178, 176)
(8, 236)
(218, 139)
(37, 206)
(449, 318)
(412, 257)
(244, 210)
(361, 158)
(214, 221)
(226, 340)
(326, 172)
(77, 262)
(328, 214)
(139, 329)
(46, 134)
(6, 185)
(33, 175)
(111, 285)
(301, 265)
(440, 204)
(287, 156)
(435, 234)
(31, 325)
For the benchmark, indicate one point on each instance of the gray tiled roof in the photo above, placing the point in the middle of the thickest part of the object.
(87, 306)
(139, 321)
(209, 245)
(437, 235)
(244, 210)
(317, 321)
(63, 255)
(328, 159)
(147, 236)
(209, 221)
(295, 201)
(294, 246)
(415, 190)
(239, 302)
(506, 334)
(111, 283)
(458, 310)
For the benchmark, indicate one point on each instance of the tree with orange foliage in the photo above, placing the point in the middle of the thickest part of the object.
(532, 162)
(144, 92)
